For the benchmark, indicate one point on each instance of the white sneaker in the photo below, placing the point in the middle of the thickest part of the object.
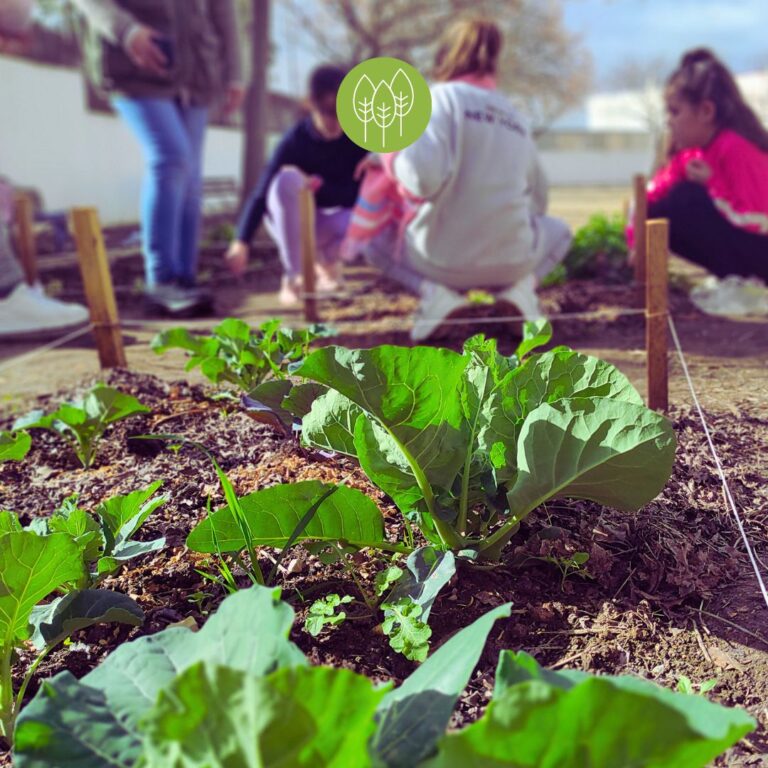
(523, 295)
(27, 310)
(437, 302)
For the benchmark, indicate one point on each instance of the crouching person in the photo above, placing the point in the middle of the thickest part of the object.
(476, 194)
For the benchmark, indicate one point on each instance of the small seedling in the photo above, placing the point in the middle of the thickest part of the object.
(324, 613)
(684, 685)
(82, 422)
(407, 633)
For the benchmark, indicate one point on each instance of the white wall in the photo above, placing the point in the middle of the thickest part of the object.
(629, 110)
(48, 140)
(588, 169)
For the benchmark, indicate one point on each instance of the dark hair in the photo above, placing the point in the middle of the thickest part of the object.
(469, 47)
(700, 77)
(325, 80)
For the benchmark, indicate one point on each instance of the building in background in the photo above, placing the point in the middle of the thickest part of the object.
(618, 134)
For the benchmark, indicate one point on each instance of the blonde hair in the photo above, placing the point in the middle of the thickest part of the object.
(469, 47)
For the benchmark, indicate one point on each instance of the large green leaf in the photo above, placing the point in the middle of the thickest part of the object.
(57, 620)
(31, 567)
(330, 423)
(314, 717)
(273, 514)
(576, 721)
(411, 391)
(383, 460)
(616, 453)
(9, 522)
(545, 378)
(14, 446)
(413, 717)
(264, 404)
(70, 725)
(299, 400)
(249, 631)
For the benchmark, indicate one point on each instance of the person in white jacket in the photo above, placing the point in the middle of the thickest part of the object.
(482, 220)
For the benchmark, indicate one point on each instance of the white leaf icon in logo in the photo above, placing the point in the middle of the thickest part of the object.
(362, 102)
(383, 109)
(402, 90)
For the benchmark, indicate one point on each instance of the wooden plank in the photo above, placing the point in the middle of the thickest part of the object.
(656, 313)
(308, 249)
(24, 217)
(640, 218)
(97, 282)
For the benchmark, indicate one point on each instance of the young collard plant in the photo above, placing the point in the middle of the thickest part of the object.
(469, 445)
(82, 422)
(238, 692)
(32, 568)
(240, 355)
(105, 538)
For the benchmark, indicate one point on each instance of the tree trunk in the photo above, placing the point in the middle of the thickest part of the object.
(255, 122)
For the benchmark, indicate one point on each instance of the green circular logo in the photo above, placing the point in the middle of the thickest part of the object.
(384, 104)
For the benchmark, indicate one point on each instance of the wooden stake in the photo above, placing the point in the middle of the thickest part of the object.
(640, 217)
(24, 216)
(97, 281)
(307, 219)
(656, 311)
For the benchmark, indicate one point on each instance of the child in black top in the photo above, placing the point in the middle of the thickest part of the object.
(315, 153)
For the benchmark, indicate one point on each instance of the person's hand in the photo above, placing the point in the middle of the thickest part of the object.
(142, 49)
(699, 171)
(233, 98)
(314, 182)
(237, 257)
(369, 161)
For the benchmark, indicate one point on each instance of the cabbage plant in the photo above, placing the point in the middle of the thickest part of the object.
(240, 693)
(82, 422)
(468, 445)
(32, 568)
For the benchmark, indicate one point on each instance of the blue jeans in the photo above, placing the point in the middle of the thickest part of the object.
(171, 137)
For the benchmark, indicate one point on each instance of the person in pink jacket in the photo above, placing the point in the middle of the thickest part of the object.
(714, 187)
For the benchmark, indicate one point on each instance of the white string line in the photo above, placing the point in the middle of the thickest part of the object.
(45, 348)
(605, 314)
(718, 464)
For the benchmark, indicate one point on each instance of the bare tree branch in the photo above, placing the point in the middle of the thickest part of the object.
(543, 66)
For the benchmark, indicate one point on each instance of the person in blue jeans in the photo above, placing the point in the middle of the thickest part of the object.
(163, 64)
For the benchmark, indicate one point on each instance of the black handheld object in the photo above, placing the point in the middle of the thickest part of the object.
(165, 44)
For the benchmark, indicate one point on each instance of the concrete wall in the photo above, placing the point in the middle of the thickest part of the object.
(634, 110)
(594, 169)
(74, 157)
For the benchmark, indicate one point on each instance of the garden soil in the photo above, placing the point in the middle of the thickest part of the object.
(667, 592)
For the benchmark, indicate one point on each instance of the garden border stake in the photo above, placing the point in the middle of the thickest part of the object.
(23, 214)
(640, 217)
(307, 227)
(97, 281)
(656, 313)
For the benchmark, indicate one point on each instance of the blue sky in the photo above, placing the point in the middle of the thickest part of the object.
(613, 30)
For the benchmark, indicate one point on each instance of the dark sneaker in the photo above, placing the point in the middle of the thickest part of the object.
(173, 301)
